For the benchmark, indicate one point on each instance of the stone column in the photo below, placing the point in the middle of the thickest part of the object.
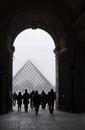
(56, 77)
(63, 80)
(3, 85)
(10, 52)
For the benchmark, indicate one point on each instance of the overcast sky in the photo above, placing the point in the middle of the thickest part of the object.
(36, 46)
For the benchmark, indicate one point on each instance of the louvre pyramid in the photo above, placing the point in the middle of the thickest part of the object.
(30, 78)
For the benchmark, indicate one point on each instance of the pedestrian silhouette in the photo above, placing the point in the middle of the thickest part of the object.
(14, 98)
(19, 101)
(31, 99)
(26, 97)
(50, 99)
(36, 101)
(43, 99)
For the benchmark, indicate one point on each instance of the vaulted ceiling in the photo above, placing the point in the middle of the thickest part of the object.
(72, 8)
(67, 12)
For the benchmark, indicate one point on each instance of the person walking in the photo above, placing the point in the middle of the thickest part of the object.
(50, 99)
(26, 97)
(43, 100)
(14, 98)
(36, 101)
(19, 101)
(31, 99)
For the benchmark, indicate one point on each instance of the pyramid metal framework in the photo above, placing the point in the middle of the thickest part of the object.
(30, 78)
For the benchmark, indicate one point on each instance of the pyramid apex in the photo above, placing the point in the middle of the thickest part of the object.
(29, 77)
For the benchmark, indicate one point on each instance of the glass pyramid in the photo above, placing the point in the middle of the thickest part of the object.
(30, 78)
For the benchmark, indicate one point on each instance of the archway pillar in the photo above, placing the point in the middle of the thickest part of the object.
(70, 83)
(76, 45)
(3, 84)
(56, 77)
(63, 80)
(5, 75)
(78, 78)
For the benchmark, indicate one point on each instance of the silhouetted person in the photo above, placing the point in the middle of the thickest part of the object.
(19, 101)
(26, 97)
(14, 98)
(50, 98)
(43, 99)
(31, 99)
(36, 101)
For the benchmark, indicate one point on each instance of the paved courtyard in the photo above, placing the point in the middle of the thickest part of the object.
(43, 121)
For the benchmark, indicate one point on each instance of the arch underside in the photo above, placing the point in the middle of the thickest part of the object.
(37, 19)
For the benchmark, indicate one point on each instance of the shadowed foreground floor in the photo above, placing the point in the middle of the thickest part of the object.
(43, 121)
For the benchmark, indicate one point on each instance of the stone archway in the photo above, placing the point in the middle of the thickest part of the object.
(35, 20)
(66, 26)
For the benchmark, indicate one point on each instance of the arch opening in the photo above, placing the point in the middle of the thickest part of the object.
(34, 61)
(35, 20)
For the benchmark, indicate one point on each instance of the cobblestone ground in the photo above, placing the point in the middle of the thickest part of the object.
(43, 121)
